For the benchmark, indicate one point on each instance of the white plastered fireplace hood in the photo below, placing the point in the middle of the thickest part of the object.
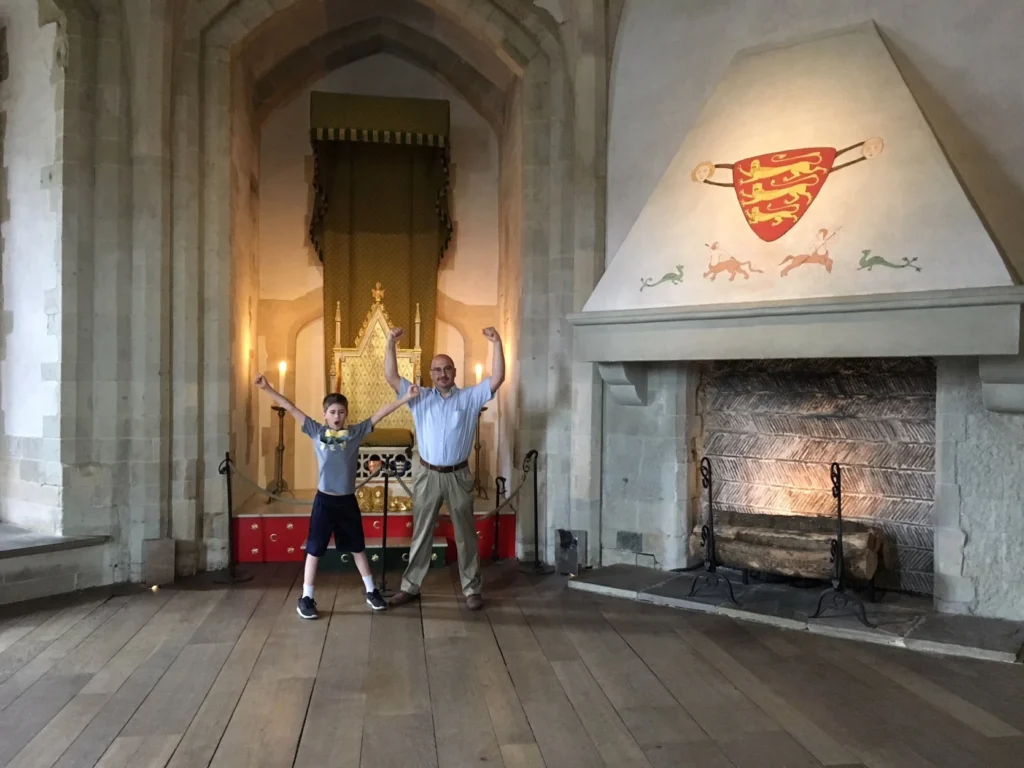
(744, 251)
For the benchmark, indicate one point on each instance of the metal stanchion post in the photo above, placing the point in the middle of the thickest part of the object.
(391, 466)
(500, 492)
(478, 484)
(496, 555)
(530, 462)
(233, 577)
(386, 471)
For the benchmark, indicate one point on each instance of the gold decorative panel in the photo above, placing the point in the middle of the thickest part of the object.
(359, 371)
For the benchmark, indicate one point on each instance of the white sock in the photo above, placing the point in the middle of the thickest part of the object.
(368, 582)
(307, 590)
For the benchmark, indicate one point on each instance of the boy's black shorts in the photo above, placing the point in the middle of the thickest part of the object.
(337, 515)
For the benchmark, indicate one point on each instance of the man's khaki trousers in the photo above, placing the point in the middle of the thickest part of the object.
(431, 489)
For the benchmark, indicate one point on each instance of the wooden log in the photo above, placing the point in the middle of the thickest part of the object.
(861, 563)
(825, 523)
(795, 539)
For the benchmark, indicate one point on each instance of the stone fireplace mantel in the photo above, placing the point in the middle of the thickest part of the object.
(984, 323)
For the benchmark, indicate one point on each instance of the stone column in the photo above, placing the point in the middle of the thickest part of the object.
(590, 91)
(186, 329)
(149, 35)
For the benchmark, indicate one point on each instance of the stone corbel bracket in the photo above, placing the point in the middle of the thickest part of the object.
(627, 382)
(1002, 383)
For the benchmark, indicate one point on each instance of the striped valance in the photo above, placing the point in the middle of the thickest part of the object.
(378, 137)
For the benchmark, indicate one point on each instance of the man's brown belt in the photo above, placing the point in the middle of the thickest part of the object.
(445, 470)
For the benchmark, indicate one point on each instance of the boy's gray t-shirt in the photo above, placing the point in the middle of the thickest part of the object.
(337, 453)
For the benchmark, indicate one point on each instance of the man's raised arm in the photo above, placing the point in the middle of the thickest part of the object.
(498, 359)
(391, 360)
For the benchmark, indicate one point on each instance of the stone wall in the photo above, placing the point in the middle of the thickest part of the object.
(650, 484)
(31, 270)
(245, 277)
(510, 276)
(979, 510)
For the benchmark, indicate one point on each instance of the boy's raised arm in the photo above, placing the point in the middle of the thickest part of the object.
(388, 408)
(262, 383)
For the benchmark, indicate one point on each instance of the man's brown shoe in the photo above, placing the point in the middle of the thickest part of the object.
(474, 602)
(401, 598)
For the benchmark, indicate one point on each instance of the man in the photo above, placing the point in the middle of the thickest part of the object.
(445, 418)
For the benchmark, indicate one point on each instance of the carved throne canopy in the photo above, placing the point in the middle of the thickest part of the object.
(358, 371)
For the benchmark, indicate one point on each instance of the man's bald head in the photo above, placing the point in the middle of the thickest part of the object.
(440, 361)
(442, 372)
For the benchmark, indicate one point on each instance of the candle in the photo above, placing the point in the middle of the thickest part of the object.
(282, 368)
(479, 372)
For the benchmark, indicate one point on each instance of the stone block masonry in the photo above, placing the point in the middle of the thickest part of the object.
(649, 474)
(31, 189)
(979, 511)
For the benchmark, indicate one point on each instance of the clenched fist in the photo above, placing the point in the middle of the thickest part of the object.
(491, 335)
(261, 382)
(395, 334)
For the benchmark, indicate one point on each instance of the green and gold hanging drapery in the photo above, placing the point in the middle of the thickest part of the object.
(380, 210)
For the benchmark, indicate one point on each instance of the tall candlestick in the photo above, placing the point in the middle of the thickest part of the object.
(479, 373)
(282, 369)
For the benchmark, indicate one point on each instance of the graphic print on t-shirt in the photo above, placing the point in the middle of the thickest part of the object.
(332, 439)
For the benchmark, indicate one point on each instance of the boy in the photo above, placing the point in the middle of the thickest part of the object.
(335, 509)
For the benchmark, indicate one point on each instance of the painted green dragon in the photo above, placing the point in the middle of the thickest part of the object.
(672, 277)
(867, 262)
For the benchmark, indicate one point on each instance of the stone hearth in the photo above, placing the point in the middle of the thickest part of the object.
(900, 621)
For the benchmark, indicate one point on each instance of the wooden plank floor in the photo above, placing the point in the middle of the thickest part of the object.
(204, 675)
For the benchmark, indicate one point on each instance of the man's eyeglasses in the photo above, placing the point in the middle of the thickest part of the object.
(447, 369)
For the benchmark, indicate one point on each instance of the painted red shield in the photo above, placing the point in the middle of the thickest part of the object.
(775, 190)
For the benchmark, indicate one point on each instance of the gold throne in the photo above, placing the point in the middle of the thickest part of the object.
(358, 373)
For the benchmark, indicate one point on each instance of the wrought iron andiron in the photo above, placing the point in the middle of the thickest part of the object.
(711, 577)
(840, 598)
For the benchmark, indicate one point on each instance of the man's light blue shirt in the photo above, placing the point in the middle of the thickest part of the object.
(445, 426)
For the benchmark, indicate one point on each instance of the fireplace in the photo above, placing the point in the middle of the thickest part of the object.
(771, 429)
(837, 249)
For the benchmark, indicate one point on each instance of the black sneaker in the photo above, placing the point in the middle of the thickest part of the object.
(375, 601)
(307, 608)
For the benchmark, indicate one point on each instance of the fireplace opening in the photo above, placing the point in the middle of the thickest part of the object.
(772, 428)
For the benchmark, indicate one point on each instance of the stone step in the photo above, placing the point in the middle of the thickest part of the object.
(35, 565)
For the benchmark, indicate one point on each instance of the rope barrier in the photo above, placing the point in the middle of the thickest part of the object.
(491, 512)
(380, 470)
(390, 469)
(295, 502)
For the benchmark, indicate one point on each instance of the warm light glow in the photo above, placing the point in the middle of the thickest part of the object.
(282, 369)
(479, 372)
